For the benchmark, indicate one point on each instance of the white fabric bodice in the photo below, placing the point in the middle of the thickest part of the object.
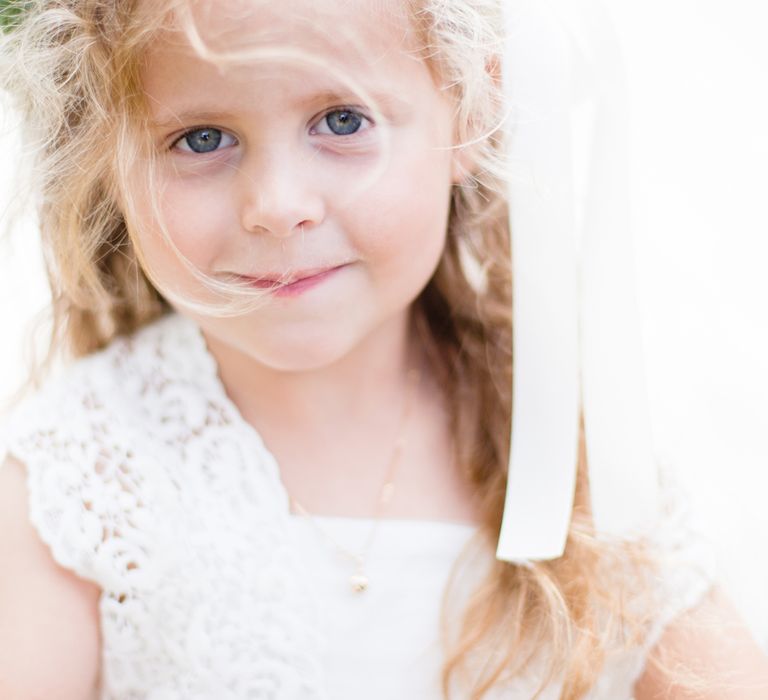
(383, 643)
(144, 478)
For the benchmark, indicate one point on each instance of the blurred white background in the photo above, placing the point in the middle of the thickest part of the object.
(698, 78)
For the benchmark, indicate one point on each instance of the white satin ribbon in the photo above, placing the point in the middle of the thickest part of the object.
(577, 337)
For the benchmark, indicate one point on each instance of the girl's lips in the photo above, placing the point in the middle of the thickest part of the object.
(302, 283)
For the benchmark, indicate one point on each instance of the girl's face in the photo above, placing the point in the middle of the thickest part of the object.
(280, 167)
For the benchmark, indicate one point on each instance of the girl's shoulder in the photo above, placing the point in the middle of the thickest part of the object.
(108, 434)
(684, 570)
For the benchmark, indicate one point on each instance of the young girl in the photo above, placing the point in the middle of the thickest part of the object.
(278, 246)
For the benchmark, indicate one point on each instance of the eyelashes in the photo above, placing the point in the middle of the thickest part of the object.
(340, 122)
(343, 122)
(204, 140)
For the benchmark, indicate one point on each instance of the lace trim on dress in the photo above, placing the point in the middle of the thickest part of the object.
(143, 477)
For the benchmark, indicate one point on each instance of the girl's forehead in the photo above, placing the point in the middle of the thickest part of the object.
(369, 25)
(322, 44)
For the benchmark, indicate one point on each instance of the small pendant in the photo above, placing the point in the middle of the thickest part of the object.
(359, 582)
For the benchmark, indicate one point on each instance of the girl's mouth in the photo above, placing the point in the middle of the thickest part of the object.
(302, 281)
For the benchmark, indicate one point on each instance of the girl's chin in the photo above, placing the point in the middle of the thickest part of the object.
(301, 354)
(296, 362)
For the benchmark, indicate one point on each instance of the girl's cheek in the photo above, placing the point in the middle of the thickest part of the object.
(409, 227)
(198, 221)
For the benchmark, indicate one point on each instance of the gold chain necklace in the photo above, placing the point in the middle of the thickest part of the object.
(359, 579)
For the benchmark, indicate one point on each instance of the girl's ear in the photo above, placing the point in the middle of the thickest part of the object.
(463, 166)
(465, 158)
(464, 163)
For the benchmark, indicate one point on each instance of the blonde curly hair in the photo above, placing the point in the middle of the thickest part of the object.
(73, 67)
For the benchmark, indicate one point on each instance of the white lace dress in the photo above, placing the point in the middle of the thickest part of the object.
(144, 478)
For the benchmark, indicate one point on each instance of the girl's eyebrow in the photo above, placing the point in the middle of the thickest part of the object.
(178, 119)
(384, 101)
(388, 103)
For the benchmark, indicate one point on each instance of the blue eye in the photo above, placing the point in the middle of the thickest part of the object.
(204, 140)
(343, 122)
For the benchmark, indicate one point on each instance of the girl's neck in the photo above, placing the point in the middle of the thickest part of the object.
(366, 385)
(338, 426)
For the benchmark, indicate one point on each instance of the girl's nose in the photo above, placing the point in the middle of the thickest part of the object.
(279, 197)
